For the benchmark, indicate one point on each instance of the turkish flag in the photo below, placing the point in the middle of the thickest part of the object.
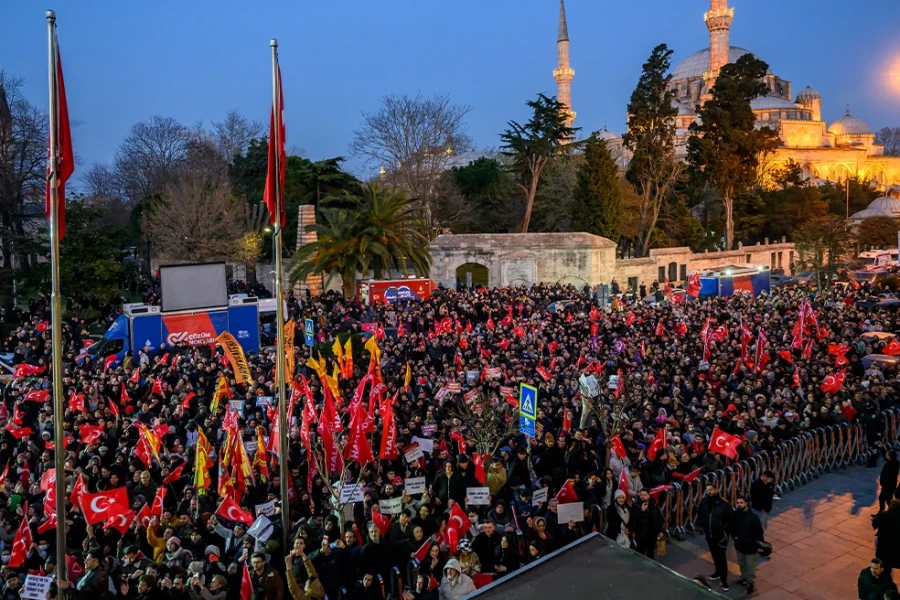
(658, 443)
(833, 383)
(629, 320)
(110, 360)
(616, 445)
(724, 443)
(65, 156)
(246, 584)
(114, 409)
(135, 375)
(26, 370)
(79, 491)
(157, 388)
(175, 475)
(158, 502)
(543, 372)
(22, 543)
(121, 523)
(659, 328)
(623, 483)
(422, 552)
(276, 208)
(39, 396)
(566, 494)
(490, 324)
(76, 402)
(19, 432)
(461, 442)
(689, 477)
(90, 434)
(786, 356)
(105, 505)
(478, 460)
(459, 520)
(48, 480)
(231, 511)
(144, 517)
(49, 524)
(453, 539)
(893, 348)
(124, 398)
(795, 380)
(382, 522)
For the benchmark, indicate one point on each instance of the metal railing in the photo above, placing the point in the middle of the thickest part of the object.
(795, 463)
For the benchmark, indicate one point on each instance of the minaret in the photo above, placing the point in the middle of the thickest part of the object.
(563, 73)
(718, 21)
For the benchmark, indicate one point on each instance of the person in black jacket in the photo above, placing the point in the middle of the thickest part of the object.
(447, 486)
(888, 480)
(714, 515)
(887, 541)
(93, 585)
(646, 524)
(762, 494)
(747, 532)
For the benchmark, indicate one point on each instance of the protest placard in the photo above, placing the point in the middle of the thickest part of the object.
(574, 511)
(36, 587)
(394, 506)
(264, 400)
(237, 405)
(539, 496)
(478, 496)
(425, 444)
(413, 452)
(262, 528)
(414, 485)
(267, 509)
(352, 493)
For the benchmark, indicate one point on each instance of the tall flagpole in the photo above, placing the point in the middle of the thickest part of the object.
(279, 308)
(56, 309)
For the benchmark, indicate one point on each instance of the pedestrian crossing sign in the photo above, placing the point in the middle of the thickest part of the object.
(528, 401)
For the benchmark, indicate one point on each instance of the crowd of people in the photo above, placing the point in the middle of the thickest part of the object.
(394, 393)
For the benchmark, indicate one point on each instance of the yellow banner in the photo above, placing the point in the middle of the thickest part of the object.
(236, 357)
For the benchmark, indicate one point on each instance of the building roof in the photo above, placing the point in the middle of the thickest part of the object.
(772, 103)
(697, 63)
(464, 159)
(521, 241)
(808, 93)
(849, 125)
(563, 26)
(683, 108)
(590, 568)
(886, 206)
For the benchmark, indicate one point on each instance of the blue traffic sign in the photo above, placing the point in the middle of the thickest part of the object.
(528, 401)
(527, 409)
(309, 332)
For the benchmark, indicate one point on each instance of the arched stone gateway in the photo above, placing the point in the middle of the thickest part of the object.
(472, 275)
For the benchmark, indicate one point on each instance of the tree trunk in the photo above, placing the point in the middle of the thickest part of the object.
(250, 266)
(729, 221)
(529, 201)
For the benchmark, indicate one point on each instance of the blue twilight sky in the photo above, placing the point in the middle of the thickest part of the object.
(194, 60)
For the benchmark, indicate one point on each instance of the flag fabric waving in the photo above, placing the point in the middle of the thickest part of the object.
(229, 509)
(104, 505)
(22, 543)
(270, 192)
(724, 443)
(65, 156)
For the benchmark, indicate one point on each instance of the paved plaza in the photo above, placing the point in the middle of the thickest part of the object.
(822, 535)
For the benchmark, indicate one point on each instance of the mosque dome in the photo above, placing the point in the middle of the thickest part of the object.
(885, 206)
(607, 135)
(849, 125)
(684, 109)
(808, 94)
(697, 63)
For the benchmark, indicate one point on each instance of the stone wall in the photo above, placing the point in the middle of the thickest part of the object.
(581, 258)
(525, 258)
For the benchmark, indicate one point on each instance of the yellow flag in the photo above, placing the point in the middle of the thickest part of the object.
(338, 351)
(222, 389)
(336, 372)
(236, 358)
(374, 350)
(408, 377)
(201, 468)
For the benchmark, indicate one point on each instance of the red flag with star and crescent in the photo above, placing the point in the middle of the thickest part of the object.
(724, 443)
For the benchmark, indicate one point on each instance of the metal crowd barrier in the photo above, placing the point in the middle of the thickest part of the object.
(795, 462)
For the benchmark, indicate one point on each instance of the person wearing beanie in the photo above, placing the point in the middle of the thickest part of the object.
(618, 517)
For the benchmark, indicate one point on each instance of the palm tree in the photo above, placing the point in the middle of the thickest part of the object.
(337, 249)
(394, 232)
(379, 230)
